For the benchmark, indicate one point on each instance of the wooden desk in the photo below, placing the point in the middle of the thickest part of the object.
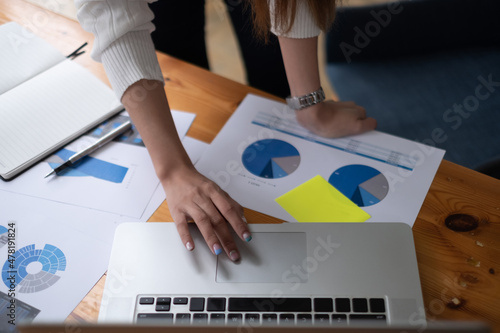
(459, 270)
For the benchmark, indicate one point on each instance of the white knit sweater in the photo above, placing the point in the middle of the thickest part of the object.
(123, 42)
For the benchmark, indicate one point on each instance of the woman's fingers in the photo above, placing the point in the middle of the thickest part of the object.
(213, 211)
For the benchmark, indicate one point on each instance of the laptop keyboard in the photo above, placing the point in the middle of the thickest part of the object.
(182, 310)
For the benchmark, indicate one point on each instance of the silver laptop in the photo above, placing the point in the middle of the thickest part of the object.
(289, 274)
(431, 327)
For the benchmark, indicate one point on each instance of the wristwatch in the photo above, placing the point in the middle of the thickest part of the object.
(301, 102)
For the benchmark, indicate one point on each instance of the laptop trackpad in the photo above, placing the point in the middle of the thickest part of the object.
(267, 258)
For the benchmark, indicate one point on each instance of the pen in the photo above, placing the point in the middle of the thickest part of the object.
(90, 149)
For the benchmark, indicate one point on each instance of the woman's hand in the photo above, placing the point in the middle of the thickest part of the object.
(335, 119)
(329, 119)
(192, 197)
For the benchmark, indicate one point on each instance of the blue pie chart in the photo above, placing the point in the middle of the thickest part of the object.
(3, 236)
(364, 185)
(271, 158)
(33, 270)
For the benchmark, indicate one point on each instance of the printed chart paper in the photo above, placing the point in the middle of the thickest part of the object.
(48, 274)
(262, 153)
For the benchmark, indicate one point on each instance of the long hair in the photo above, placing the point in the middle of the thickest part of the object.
(323, 12)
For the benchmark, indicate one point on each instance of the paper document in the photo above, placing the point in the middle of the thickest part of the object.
(262, 153)
(47, 274)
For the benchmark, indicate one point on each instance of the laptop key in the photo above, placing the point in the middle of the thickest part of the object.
(287, 318)
(339, 319)
(164, 318)
(217, 318)
(377, 305)
(160, 307)
(322, 318)
(359, 305)
(343, 305)
(180, 300)
(147, 300)
(163, 300)
(269, 318)
(216, 304)
(323, 305)
(183, 318)
(200, 318)
(252, 318)
(304, 318)
(366, 317)
(234, 318)
(197, 304)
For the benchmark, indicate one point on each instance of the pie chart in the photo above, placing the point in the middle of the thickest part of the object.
(364, 185)
(34, 269)
(3, 236)
(271, 158)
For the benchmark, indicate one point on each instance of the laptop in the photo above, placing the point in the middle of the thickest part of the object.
(289, 274)
(431, 327)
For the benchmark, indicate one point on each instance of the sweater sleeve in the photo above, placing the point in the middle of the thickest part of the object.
(304, 25)
(122, 42)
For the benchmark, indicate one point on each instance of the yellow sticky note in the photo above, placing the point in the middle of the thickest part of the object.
(318, 201)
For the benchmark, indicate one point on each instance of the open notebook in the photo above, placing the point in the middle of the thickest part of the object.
(46, 100)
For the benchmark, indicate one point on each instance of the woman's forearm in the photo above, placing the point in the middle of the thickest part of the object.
(148, 107)
(300, 56)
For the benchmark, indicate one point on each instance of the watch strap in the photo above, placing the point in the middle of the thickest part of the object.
(302, 102)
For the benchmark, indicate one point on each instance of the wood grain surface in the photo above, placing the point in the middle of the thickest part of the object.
(457, 232)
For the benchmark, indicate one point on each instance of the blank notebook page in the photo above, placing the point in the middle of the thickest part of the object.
(50, 110)
(23, 55)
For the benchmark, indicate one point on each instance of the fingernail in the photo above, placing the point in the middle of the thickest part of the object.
(244, 219)
(234, 255)
(217, 249)
(247, 237)
(189, 246)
